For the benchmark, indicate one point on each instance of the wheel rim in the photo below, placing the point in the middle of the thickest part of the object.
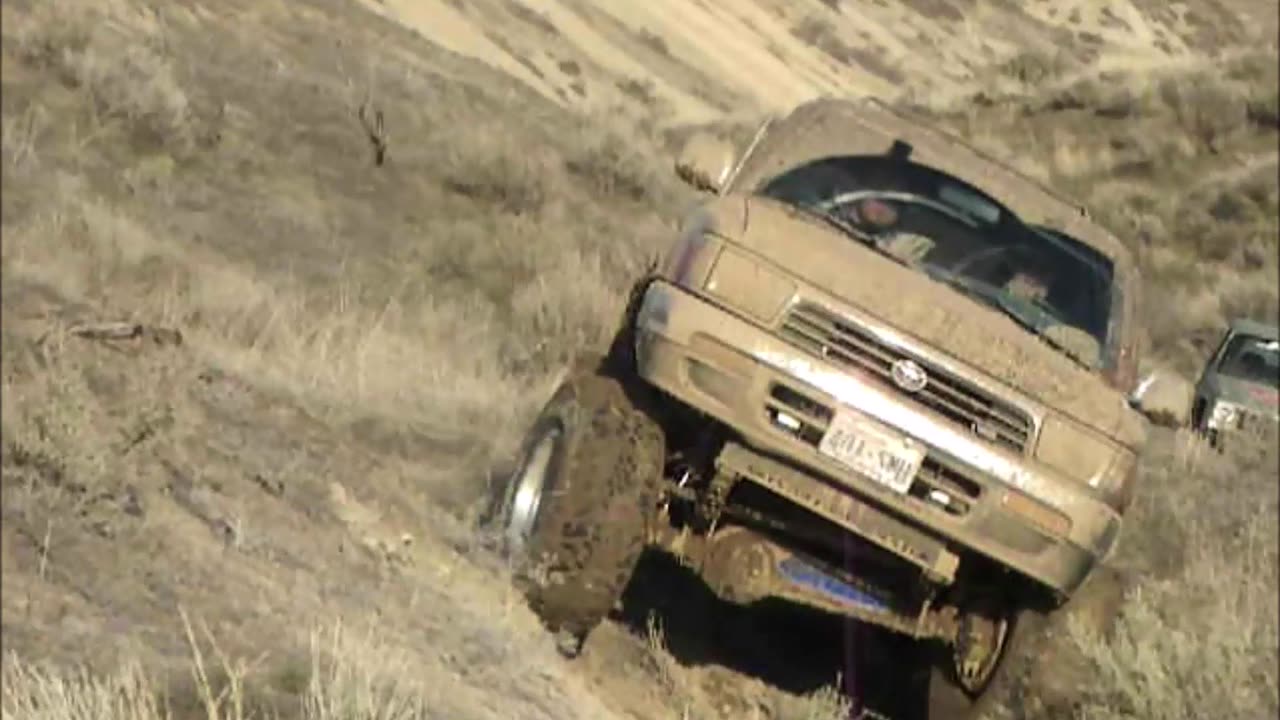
(524, 498)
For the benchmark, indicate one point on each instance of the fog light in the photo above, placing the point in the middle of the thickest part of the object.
(711, 381)
(787, 421)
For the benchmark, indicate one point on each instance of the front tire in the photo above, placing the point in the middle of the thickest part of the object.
(1036, 667)
(575, 515)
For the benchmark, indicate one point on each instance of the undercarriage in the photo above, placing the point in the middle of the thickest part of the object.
(755, 527)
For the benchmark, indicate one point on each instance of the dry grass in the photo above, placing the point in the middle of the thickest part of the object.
(1199, 636)
(389, 331)
(688, 700)
(115, 56)
(318, 344)
(349, 675)
(516, 273)
(820, 33)
(353, 336)
(36, 692)
(353, 676)
(47, 692)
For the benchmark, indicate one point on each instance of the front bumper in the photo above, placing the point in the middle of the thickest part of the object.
(1243, 419)
(739, 373)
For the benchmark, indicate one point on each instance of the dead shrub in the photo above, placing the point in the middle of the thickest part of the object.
(130, 78)
(499, 175)
(610, 165)
(1200, 631)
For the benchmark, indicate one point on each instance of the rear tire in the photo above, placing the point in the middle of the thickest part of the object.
(575, 515)
(1038, 668)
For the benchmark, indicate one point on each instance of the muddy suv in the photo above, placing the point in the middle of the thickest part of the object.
(878, 374)
(1239, 389)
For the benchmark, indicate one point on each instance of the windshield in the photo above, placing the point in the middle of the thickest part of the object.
(1252, 359)
(1052, 284)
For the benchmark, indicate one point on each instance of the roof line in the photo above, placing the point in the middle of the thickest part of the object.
(920, 123)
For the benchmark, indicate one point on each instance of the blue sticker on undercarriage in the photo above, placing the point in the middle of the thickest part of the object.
(802, 573)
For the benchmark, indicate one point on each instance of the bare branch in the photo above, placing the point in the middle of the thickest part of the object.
(109, 331)
(375, 131)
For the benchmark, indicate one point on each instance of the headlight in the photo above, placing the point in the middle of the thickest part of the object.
(745, 284)
(701, 262)
(1224, 415)
(1085, 456)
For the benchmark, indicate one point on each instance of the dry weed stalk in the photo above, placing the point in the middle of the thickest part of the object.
(375, 130)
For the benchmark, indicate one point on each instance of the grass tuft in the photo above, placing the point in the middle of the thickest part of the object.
(1200, 631)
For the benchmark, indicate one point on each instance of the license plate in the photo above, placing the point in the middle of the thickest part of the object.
(888, 458)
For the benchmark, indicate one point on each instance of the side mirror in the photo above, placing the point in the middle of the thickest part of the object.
(1164, 397)
(705, 162)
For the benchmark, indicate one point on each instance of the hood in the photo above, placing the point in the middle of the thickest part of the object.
(1258, 397)
(971, 333)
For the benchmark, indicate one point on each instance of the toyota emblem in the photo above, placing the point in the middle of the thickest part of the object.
(909, 376)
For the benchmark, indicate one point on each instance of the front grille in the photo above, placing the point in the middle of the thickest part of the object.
(824, 334)
(937, 485)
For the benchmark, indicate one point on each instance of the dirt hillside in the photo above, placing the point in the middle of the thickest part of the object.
(284, 281)
(691, 61)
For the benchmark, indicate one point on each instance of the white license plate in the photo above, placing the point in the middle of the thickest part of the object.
(888, 458)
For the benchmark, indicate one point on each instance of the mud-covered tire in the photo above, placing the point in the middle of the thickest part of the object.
(1039, 668)
(574, 553)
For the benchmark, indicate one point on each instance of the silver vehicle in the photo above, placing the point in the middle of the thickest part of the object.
(1239, 390)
